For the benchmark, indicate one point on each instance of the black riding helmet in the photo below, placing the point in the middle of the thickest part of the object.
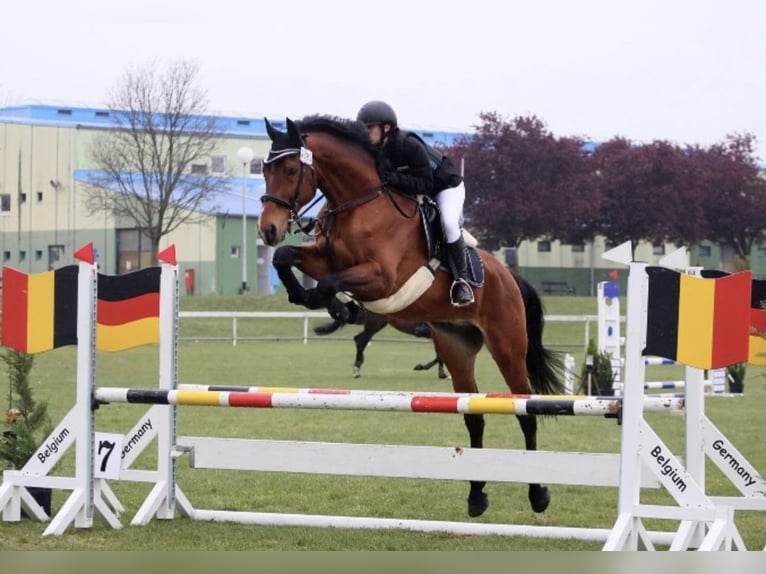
(376, 112)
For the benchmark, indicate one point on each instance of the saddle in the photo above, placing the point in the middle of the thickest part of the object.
(422, 279)
(436, 245)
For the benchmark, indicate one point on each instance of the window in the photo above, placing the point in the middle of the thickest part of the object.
(256, 166)
(243, 122)
(5, 204)
(761, 253)
(22, 255)
(543, 246)
(134, 250)
(38, 254)
(218, 164)
(658, 249)
(704, 250)
(39, 196)
(579, 248)
(102, 114)
(22, 198)
(199, 169)
(55, 256)
(6, 255)
(235, 251)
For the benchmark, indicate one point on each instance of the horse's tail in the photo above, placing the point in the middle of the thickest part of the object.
(544, 366)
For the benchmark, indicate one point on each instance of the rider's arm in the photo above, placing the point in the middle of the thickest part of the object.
(411, 171)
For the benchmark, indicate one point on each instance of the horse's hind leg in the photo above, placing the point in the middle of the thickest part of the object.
(435, 361)
(361, 340)
(508, 349)
(458, 347)
(539, 495)
(478, 501)
(373, 324)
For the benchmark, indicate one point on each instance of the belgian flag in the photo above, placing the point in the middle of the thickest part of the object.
(40, 310)
(757, 354)
(697, 321)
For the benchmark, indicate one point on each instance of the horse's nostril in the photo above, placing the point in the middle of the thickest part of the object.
(270, 235)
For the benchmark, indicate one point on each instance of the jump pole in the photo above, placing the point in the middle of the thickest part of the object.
(478, 403)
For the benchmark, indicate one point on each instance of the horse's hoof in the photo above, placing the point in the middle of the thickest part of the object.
(477, 505)
(418, 367)
(357, 373)
(539, 498)
(443, 376)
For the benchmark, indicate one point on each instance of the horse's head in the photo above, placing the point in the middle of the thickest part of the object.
(290, 182)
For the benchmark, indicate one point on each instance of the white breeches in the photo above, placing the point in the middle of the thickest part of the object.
(450, 202)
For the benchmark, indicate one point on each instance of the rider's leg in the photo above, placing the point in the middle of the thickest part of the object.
(450, 202)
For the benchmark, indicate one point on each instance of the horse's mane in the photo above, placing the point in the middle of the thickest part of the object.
(350, 131)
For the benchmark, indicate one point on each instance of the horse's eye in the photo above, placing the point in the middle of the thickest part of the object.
(291, 171)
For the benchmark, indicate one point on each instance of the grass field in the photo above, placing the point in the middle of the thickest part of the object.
(327, 363)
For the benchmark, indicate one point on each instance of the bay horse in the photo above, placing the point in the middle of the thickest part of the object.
(372, 324)
(371, 244)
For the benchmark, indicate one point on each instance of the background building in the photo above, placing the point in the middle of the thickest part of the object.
(45, 166)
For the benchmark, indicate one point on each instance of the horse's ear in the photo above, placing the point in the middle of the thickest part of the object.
(271, 130)
(293, 133)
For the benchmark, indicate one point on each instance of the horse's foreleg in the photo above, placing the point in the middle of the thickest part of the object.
(310, 261)
(283, 260)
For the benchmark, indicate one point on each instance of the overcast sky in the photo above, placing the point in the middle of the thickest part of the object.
(689, 71)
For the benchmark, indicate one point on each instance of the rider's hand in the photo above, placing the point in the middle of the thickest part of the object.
(390, 177)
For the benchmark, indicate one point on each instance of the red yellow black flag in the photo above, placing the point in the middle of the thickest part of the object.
(700, 322)
(39, 310)
(757, 355)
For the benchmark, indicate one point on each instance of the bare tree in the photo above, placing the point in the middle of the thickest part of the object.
(144, 166)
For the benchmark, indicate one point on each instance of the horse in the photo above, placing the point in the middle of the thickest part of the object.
(374, 324)
(371, 243)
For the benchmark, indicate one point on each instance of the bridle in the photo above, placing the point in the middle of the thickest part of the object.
(306, 160)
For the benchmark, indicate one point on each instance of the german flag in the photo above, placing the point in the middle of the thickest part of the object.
(128, 310)
(757, 354)
(39, 310)
(700, 322)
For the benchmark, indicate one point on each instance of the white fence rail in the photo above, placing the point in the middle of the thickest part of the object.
(306, 316)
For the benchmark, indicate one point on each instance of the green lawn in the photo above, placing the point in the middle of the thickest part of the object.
(327, 363)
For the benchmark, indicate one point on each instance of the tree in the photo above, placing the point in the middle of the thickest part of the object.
(524, 183)
(162, 128)
(651, 192)
(735, 194)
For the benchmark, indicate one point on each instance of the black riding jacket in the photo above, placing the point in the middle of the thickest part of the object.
(405, 165)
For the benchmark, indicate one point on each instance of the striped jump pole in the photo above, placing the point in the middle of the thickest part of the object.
(671, 384)
(479, 403)
(658, 361)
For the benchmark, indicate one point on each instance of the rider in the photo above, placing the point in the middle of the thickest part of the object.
(410, 169)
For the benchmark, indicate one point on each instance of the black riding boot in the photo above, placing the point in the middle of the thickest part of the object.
(461, 293)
